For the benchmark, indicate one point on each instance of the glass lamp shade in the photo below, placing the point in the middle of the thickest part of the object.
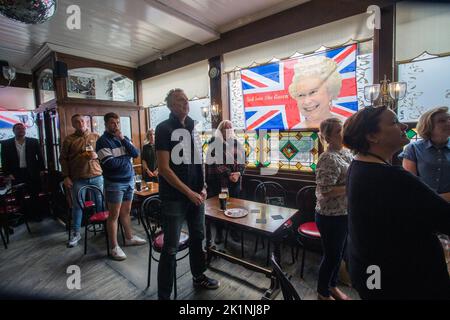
(214, 110)
(397, 90)
(28, 11)
(372, 92)
(205, 112)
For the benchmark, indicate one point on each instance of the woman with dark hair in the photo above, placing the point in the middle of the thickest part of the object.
(149, 161)
(394, 252)
(331, 208)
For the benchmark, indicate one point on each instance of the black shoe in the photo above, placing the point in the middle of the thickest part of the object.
(204, 282)
(11, 230)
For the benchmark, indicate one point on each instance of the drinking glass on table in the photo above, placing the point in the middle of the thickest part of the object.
(223, 201)
(138, 181)
(225, 190)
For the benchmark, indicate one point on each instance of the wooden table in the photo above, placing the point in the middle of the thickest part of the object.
(140, 196)
(147, 190)
(269, 229)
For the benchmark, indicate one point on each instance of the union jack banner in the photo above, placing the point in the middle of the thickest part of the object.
(268, 104)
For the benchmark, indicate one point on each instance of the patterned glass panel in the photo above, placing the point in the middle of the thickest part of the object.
(297, 151)
(236, 100)
(412, 134)
(251, 145)
(205, 136)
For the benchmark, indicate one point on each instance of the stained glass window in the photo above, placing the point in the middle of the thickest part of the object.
(413, 135)
(296, 151)
(206, 137)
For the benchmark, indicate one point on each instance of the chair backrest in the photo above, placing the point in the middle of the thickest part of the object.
(306, 203)
(249, 186)
(271, 193)
(150, 215)
(14, 196)
(288, 290)
(93, 193)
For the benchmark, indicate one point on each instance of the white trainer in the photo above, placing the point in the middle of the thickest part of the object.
(135, 241)
(118, 254)
(74, 238)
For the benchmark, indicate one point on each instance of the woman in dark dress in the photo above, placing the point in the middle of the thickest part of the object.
(149, 164)
(394, 252)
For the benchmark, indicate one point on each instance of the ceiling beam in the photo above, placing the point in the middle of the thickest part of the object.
(305, 16)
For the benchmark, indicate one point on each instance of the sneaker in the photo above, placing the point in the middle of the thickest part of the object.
(118, 254)
(74, 238)
(204, 282)
(135, 241)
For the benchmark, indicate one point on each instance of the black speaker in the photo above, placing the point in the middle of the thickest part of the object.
(60, 69)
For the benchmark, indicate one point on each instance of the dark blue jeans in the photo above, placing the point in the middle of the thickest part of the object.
(333, 232)
(174, 213)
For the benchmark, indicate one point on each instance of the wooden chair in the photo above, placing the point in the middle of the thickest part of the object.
(12, 208)
(150, 215)
(307, 232)
(288, 290)
(275, 194)
(94, 215)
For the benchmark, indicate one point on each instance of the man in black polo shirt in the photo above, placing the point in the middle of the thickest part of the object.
(182, 192)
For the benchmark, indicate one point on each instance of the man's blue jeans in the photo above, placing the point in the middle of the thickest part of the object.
(77, 213)
(174, 213)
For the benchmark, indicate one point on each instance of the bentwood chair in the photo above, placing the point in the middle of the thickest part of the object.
(273, 193)
(288, 290)
(12, 210)
(150, 215)
(94, 215)
(308, 234)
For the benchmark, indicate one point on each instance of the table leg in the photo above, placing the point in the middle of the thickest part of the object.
(208, 241)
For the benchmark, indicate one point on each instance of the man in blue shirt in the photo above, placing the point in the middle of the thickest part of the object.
(115, 152)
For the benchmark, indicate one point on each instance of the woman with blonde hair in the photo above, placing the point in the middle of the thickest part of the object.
(226, 165)
(429, 158)
(315, 84)
(331, 208)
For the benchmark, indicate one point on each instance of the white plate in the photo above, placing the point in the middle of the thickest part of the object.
(236, 213)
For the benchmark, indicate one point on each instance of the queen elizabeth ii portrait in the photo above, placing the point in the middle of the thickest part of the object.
(315, 84)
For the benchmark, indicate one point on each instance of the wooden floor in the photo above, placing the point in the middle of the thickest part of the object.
(34, 266)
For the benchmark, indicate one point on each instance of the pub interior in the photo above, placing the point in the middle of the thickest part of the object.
(322, 129)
